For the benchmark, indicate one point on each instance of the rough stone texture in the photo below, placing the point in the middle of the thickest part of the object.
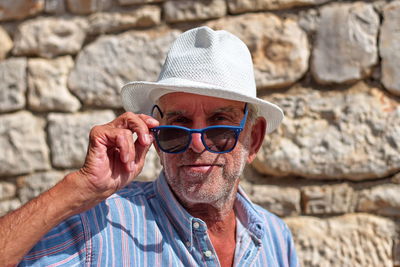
(83, 7)
(396, 250)
(240, 6)
(23, 144)
(140, 17)
(345, 241)
(309, 20)
(283, 201)
(383, 200)
(13, 84)
(19, 9)
(6, 43)
(69, 135)
(279, 47)
(108, 63)
(54, 7)
(389, 46)
(132, 2)
(9, 205)
(7, 190)
(32, 185)
(353, 134)
(47, 80)
(50, 36)
(346, 43)
(328, 199)
(178, 11)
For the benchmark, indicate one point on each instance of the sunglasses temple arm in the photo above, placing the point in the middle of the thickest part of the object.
(159, 110)
(246, 111)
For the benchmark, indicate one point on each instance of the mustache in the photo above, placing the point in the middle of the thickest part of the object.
(204, 158)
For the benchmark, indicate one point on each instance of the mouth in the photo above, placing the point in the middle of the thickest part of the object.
(199, 168)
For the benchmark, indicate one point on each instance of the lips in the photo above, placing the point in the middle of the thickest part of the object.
(199, 168)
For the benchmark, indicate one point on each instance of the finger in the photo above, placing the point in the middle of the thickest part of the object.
(140, 153)
(137, 124)
(150, 121)
(122, 142)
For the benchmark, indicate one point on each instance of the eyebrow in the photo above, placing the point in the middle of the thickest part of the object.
(232, 109)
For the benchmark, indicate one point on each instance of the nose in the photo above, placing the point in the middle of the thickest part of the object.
(197, 145)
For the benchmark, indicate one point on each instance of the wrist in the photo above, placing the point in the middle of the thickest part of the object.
(83, 195)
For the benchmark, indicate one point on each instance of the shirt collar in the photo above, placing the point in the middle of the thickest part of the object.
(183, 221)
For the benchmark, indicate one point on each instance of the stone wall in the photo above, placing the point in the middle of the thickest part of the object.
(332, 170)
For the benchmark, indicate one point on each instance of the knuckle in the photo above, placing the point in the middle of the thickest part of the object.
(94, 131)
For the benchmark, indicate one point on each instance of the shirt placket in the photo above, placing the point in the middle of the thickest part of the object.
(207, 254)
(247, 249)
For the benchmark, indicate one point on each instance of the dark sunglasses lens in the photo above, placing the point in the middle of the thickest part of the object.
(172, 139)
(220, 139)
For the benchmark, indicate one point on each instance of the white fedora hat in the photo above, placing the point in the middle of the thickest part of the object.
(205, 62)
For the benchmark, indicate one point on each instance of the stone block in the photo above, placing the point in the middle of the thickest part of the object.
(7, 190)
(349, 240)
(84, 7)
(241, 6)
(102, 67)
(9, 205)
(47, 80)
(383, 200)
(283, 201)
(389, 45)
(19, 9)
(278, 46)
(338, 134)
(135, 2)
(346, 43)
(105, 22)
(23, 144)
(178, 11)
(13, 84)
(55, 7)
(6, 43)
(69, 136)
(32, 185)
(50, 36)
(328, 199)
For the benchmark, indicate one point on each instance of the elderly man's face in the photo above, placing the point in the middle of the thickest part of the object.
(197, 175)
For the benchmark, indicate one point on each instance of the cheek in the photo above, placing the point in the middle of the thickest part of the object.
(169, 162)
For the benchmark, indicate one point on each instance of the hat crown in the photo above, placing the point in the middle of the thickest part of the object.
(216, 58)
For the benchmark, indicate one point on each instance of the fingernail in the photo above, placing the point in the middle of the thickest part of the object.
(146, 139)
(152, 121)
(126, 158)
(132, 166)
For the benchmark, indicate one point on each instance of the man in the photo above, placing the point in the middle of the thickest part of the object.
(205, 127)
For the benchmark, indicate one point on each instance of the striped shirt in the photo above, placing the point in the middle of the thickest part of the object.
(144, 225)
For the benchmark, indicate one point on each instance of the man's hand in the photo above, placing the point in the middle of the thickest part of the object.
(113, 158)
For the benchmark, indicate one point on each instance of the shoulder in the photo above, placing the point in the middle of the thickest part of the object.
(135, 189)
(271, 219)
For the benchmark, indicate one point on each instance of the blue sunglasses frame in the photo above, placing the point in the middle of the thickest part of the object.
(236, 129)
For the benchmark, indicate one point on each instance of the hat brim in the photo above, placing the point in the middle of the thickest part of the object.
(140, 96)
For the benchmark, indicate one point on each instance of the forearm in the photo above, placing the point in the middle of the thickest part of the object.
(23, 228)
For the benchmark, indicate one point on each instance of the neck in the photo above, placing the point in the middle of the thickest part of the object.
(221, 224)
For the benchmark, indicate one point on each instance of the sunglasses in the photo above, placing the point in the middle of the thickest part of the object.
(216, 139)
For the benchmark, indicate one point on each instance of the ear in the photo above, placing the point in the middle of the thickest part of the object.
(257, 137)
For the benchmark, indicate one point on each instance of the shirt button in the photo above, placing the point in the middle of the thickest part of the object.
(196, 225)
(208, 253)
(187, 244)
